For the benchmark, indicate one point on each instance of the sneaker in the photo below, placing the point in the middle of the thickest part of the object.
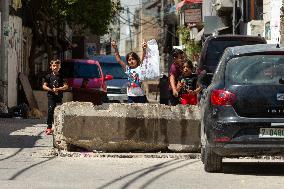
(48, 131)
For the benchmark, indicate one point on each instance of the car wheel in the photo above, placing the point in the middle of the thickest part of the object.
(203, 142)
(212, 161)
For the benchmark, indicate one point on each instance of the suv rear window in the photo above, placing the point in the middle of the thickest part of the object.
(217, 47)
(113, 69)
(256, 69)
(80, 70)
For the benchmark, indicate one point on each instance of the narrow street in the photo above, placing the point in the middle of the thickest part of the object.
(27, 160)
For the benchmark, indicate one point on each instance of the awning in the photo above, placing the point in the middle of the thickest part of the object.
(184, 2)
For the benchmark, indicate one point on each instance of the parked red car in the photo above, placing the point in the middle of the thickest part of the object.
(86, 80)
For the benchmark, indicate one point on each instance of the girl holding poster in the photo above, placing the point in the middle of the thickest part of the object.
(135, 91)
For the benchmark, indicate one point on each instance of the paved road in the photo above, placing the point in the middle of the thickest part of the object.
(27, 160)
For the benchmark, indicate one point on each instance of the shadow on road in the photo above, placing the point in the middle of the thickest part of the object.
(8, 126)
(146, 171)
(29, 167)
(254, 168)
(20, 134)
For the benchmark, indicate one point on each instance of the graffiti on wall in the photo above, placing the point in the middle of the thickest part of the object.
(14, 48)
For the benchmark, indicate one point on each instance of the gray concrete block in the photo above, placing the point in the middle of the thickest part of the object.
(127, 127)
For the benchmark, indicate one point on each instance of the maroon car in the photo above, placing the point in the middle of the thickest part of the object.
(86, 80)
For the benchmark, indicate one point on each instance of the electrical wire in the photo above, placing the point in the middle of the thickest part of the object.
(142, 24)
(139, 24)
(133, 5)
(151, 23)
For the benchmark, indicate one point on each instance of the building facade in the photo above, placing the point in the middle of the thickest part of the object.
(247, 17)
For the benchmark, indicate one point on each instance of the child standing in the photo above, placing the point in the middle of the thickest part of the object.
(54, 84)
(175, 72)
(135, 91)
(163, 89)
(187, 85)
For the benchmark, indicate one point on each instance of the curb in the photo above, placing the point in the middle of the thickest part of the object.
(61, 153)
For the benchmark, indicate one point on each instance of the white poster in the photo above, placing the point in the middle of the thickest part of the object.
(151, 62)
(275, 20)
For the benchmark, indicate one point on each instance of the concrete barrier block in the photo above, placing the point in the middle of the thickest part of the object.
(41, 98)
(127, 127)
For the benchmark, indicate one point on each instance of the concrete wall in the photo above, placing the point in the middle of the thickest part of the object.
(151, 90)
(41, 98)
(15, 39)
(127, 127)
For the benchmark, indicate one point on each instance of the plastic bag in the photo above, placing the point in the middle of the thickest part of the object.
(150, 68)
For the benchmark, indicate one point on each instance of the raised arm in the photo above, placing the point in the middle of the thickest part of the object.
(117, 56)
(144, 47)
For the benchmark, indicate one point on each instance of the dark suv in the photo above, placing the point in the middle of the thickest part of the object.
(242, 110)
(214, 47)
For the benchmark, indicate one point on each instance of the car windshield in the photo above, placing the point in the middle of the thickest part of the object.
(80, 70)
(256, 69)
(113, 69)
(216, 48)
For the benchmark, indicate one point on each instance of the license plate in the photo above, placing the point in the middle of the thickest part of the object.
(271, 133)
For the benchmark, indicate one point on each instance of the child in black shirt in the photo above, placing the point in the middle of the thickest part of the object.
(187, 86)
(54, 84)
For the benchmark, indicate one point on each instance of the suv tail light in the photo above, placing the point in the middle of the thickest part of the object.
(222, 98)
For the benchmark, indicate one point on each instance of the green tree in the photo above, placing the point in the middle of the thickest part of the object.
(192, 48)
(48, 19)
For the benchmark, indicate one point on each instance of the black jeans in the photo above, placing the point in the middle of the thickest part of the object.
(52, 102)
(164, 101)
(173, 100)
(137, 99)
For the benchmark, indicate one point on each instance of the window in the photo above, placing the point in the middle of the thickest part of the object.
(80, 70)
(252, 10)
(216, 49)
(113, 69)
(256, 69)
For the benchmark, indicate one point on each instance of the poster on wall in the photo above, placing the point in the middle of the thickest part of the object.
(275, 20)
(150, 68)
(192, 16)
(91, 50)
(267, 31)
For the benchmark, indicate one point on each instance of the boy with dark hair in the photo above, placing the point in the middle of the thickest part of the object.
(54, 84)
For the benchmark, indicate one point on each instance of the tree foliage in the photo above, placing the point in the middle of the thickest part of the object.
(82, 14)
(192, 48)
(48, 19)
(78, 14)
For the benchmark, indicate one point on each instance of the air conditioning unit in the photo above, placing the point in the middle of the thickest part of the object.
(223, 5)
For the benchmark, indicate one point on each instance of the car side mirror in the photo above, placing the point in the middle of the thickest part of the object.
(108, 77)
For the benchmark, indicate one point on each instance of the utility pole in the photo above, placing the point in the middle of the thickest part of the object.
(128, 20)
(4, 51)
(234, 16)
(163, 36)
